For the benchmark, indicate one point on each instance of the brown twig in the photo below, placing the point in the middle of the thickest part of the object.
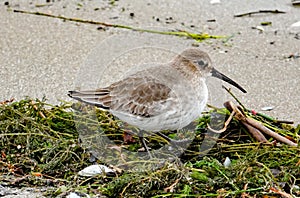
(281, 193)
(7, 101)
(225, 124)
(240, 115)
(171, 188)
(255, 133)
(37, 109)
(269, 132)
(244, 194)
(259, 12)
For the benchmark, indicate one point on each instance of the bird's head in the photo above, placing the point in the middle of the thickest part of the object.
(202, 62)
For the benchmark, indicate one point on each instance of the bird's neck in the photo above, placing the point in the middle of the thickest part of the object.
(186, 68)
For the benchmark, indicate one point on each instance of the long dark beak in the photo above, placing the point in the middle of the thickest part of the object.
(217, 74)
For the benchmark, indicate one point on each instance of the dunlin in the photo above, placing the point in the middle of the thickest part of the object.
(162, 97)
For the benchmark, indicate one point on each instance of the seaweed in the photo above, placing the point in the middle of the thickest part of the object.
(40, 146)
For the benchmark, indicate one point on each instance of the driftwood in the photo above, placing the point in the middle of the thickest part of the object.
(256, 128)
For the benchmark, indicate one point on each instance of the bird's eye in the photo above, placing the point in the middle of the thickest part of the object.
(202, 63)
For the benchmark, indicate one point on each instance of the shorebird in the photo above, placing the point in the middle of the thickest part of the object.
(162, 97)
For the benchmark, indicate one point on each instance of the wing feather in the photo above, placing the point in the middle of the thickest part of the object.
(134, 95)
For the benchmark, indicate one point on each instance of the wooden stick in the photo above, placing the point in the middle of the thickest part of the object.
(259, 12)
(255, 133)
(267, 131)
(259, 126)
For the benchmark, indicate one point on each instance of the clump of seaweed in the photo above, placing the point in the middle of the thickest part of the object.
(39, 139)
(40, 146)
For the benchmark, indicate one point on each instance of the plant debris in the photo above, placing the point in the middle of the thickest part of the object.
(40, 146)
(295, 2)
(181, 33)
(260, 12)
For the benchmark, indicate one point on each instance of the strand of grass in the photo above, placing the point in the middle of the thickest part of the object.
(269, 121)
(166, 170)
(66, 154)
(225, 176)
(281, 152)
(63, 105)
(175, 195)
(39, 150)
(55, 178)
(213, 107)
(244, 147)
(59, 157)
(275, 128)
(76, 155)
(37, 125)
(82, 183)
(267, 117)
(283, 132)
(58, 134)
(248, 190)
(137, 161)
(51, 115)
(195, 36)
(237, 192)
(236, 99)
(239, 147)
(26, 134)
(270, 176)
(130, 183)
(87, 120)
(195, 169)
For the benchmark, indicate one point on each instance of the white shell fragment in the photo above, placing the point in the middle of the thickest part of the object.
(297, 24)
(267, 108)
(215, 1)
(77, 195)
(95, 170)
(227, 162)
(296, 2)
(294, 28)
(260, 28)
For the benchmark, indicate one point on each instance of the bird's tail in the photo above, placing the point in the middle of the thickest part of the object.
(99, 98)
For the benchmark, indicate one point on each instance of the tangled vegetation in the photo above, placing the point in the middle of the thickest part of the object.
(40, 146)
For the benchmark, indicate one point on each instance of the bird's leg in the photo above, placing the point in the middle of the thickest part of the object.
(136, 132)
(191, 126)
(180, 143)
(145, 146)
(165, 137)
(171, 141)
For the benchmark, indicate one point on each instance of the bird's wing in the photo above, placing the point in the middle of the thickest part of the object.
(91, 97)
(142, 96)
